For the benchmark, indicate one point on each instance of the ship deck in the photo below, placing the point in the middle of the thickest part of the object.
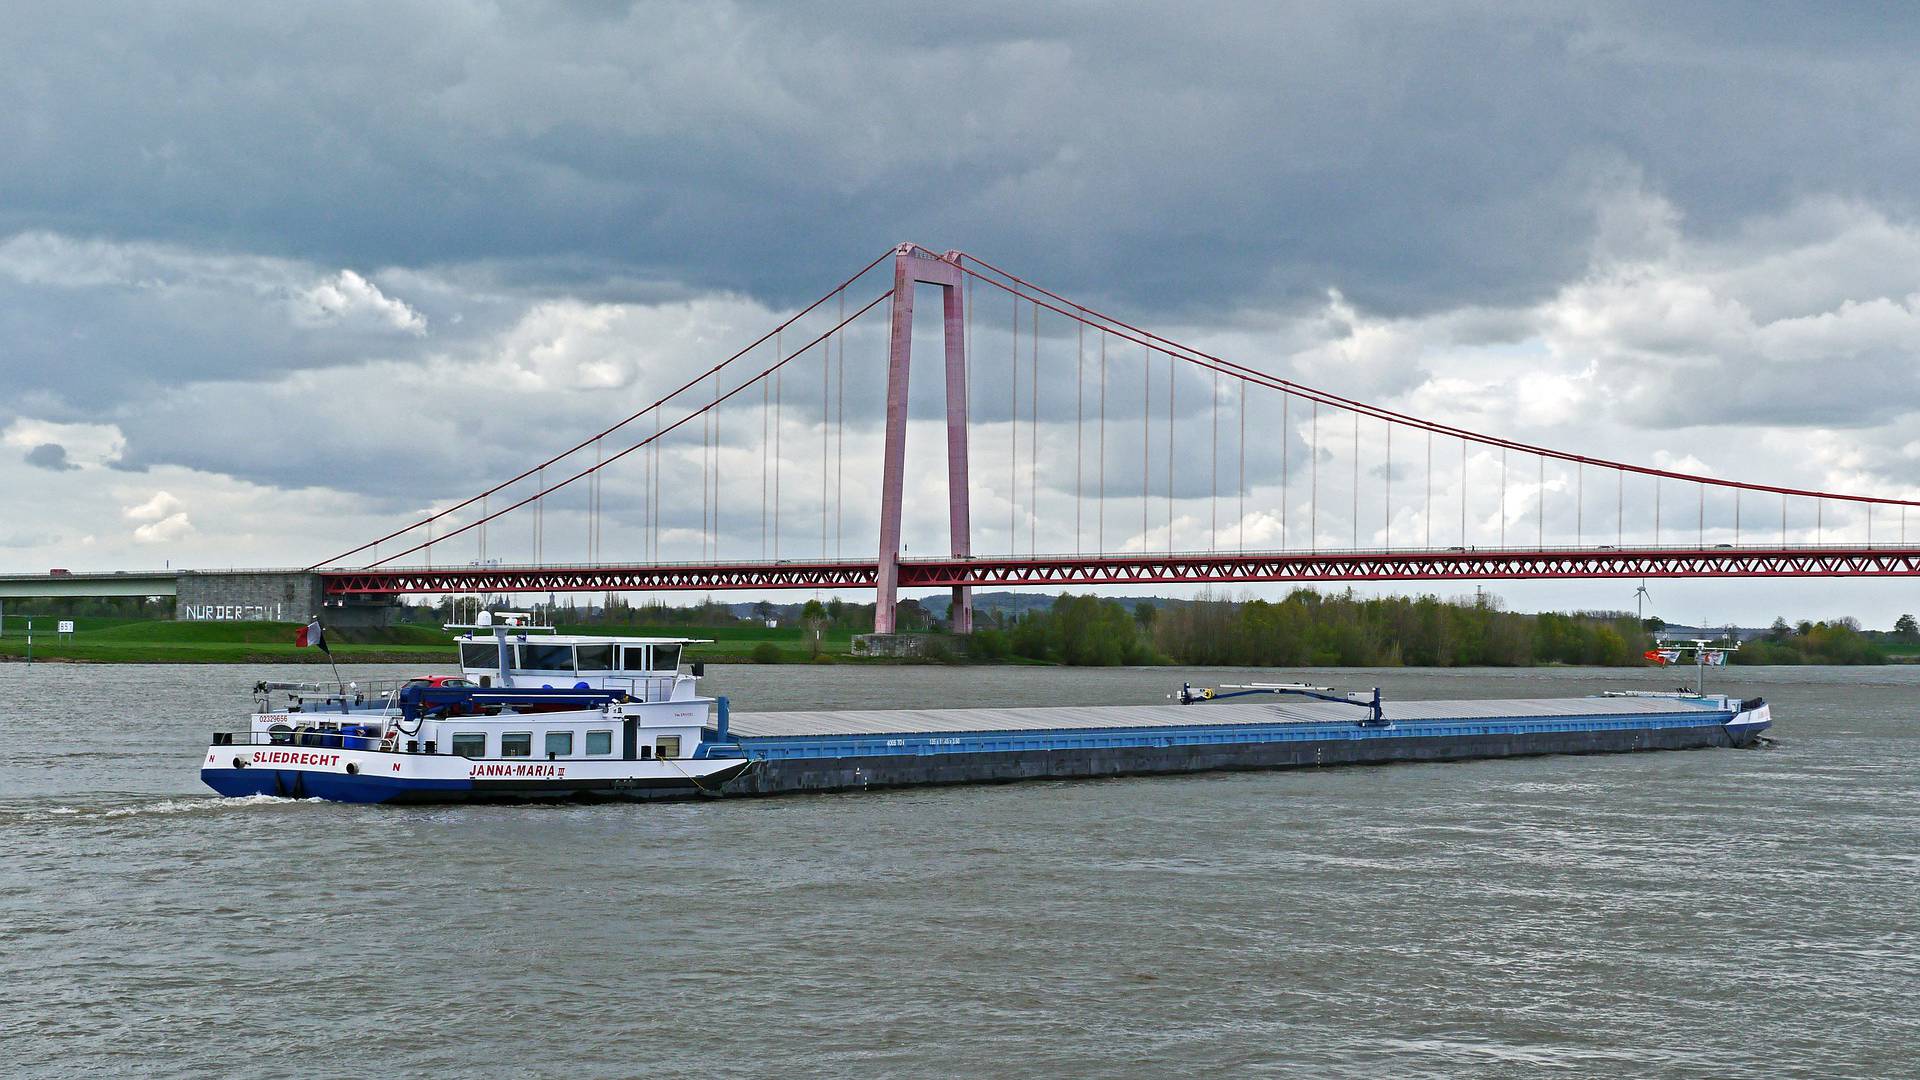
(857, 722)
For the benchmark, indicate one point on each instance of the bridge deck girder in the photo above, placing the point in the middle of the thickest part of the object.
(1484, 564)
(88, 585)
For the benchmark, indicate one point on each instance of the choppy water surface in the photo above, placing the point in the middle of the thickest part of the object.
(1707, 913)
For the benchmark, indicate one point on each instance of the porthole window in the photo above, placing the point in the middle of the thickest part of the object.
(667, 746)
(516, 744)
(599, 742)
(469, 744)
(559, 744)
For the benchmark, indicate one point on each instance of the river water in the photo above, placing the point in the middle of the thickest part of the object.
(1716, 913)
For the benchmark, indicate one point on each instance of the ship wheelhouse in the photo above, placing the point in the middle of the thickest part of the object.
(528, 657)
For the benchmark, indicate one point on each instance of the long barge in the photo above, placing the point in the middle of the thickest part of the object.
(538, 716)
(839, 751)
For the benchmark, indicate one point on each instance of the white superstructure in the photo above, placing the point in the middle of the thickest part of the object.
(509, 652)
(533, 714)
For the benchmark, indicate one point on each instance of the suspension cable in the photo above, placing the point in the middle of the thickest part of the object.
(826, 437)
(1313, 475)
(651, 441)
(840, 429)
(716, 465)
(1146, 442)
(779, 427)
(706, 455)
(766, 467)
(1426, 515)
(1013, 439)
(582, 444)
(655, 480)
(1171, 371)
(1197, 357)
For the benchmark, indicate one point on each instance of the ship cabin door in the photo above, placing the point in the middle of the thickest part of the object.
(630, 739)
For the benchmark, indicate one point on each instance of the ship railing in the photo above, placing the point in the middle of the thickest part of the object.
(642, 687)
(347, 736)
(357, 696)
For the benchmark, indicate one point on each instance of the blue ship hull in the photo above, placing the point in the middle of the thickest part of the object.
(368, 788)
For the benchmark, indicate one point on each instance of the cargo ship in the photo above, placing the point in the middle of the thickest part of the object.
(537, 715)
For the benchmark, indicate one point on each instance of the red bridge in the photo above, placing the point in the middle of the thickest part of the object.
(1142, 479)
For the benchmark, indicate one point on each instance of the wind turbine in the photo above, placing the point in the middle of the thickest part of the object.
(1640, 598)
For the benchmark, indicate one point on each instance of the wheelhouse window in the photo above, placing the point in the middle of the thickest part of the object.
(469, 744)
(594, 657)
(667, 746)
(516, 744)
(599, 742)
(666, 658)
(559, 744)
(485, 657)
(546, 657)
(633, 658)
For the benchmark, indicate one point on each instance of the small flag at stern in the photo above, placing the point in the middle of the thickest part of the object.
(312, 635)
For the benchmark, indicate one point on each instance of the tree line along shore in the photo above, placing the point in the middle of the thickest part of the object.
(1307, 628)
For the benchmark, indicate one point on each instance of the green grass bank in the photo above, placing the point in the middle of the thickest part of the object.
(137, 641)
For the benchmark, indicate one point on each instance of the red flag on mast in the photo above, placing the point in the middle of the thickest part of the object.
(312, 635)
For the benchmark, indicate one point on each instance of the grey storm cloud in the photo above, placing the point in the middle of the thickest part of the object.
(1418, 156)
(50, 456)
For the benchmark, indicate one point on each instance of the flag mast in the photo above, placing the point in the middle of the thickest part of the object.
(315, 634)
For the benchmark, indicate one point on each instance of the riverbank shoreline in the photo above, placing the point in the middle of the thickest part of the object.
(126, 641)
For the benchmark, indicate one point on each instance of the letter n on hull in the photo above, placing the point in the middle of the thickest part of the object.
(913, 266)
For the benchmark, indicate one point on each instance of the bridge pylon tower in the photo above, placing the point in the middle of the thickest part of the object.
(912, 266)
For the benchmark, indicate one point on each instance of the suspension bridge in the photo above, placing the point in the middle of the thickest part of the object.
(1078, 449)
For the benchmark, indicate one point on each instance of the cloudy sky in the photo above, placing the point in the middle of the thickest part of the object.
(273, 279)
